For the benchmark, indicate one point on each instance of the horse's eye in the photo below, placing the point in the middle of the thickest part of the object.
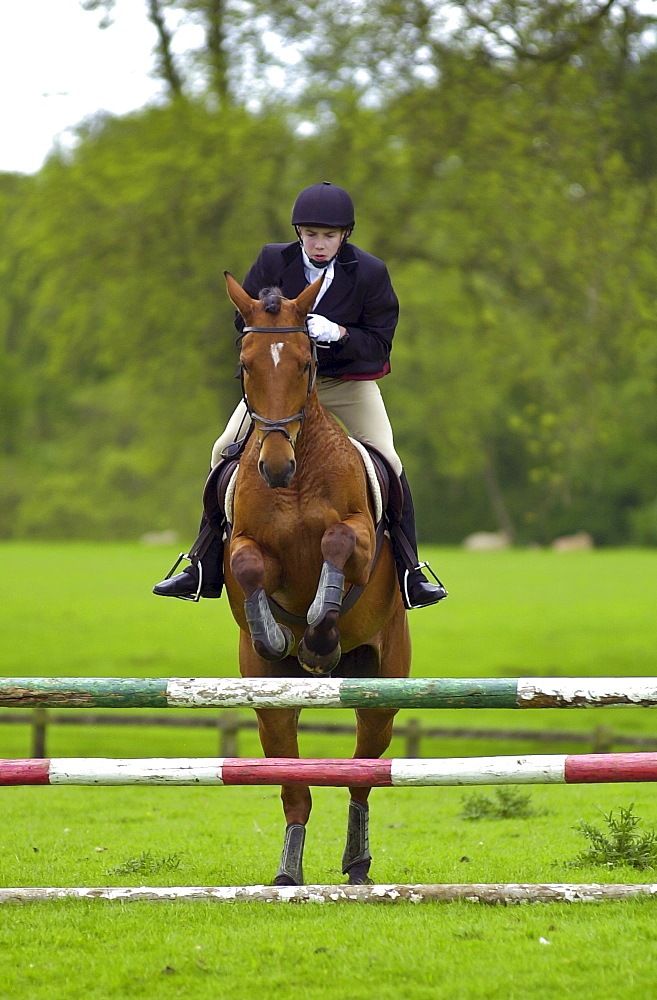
(306, 367)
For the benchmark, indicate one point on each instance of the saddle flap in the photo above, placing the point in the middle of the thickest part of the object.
(214, 493)
(389, 484)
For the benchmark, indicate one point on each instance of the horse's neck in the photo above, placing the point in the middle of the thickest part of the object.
(329, 469)
(321, 440)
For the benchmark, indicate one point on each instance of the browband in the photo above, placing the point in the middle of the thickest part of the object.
(275, 329)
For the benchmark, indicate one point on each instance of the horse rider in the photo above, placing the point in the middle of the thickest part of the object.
(354, 320)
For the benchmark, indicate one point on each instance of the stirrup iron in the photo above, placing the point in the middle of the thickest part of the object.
(425, 565)
(187, 597)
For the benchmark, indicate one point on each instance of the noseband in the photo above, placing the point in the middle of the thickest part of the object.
(280, 425)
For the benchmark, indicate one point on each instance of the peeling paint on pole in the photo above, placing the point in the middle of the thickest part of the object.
(586, 692)
(268, 692)
(328, 692)
(488, 893)
(83, 692)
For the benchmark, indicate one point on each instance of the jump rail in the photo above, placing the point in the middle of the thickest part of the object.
(414, 692)
(535, 769)
(334, 693)
(491, 893)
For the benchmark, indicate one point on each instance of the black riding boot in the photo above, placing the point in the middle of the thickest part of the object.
(204, 577)
(416, 590)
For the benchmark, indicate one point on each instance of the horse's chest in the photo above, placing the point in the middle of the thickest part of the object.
(287, 519)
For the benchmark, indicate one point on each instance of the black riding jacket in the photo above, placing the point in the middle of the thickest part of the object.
(360, 298)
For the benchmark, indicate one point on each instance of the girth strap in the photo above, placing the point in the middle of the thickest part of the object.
(348, 601)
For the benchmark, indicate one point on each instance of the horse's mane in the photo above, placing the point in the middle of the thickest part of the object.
(271, 299)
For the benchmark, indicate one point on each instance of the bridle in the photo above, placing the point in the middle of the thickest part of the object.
(280, 425)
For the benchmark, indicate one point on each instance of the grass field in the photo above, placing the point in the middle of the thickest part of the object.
(87, 610)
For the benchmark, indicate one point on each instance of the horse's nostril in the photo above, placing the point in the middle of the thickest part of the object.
(277, 478)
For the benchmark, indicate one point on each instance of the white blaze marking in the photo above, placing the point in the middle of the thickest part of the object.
(276, 353)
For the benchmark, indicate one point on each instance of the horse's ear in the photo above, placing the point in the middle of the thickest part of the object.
(242, 302)
(306, 300)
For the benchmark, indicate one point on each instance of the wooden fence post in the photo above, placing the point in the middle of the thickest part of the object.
(413, 732)
(39, 724)
(604, 739)
(229, 727)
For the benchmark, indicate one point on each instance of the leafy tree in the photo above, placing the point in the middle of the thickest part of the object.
(508, 185)
(126, 329)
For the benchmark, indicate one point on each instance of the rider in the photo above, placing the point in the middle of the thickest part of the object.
(354, 319)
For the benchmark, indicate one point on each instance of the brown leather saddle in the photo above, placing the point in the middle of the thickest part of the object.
(214, 493)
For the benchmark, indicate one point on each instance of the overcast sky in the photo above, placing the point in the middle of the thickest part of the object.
(57, 66)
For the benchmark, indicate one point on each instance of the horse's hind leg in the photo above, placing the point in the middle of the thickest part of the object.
(374, 733)
(357, 859)
(278, 736)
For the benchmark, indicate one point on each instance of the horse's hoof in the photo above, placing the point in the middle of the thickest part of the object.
(357, 873)
(267, 653)
(285, 880)
(320, 666)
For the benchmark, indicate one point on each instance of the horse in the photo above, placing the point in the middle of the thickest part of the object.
(303, 532)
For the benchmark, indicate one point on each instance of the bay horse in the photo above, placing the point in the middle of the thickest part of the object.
(303, 532)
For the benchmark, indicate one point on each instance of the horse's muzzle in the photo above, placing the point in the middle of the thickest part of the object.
(277, 478)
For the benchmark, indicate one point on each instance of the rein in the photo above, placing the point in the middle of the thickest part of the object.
(280, 425)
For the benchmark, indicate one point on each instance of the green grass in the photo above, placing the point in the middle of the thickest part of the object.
(83, 609)
(233, 836)
(95, 950)
(351, 953)
(87, 609)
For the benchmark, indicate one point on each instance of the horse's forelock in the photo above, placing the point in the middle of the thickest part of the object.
(271, 299)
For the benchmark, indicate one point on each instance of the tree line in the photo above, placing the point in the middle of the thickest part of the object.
(502, 163)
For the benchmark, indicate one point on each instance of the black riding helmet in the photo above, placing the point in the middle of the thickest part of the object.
(324, 204)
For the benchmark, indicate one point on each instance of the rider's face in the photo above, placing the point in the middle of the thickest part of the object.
(320, 242)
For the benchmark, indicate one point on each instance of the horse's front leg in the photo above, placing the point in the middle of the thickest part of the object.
(348, 550)
(270, 640)
(278, 736)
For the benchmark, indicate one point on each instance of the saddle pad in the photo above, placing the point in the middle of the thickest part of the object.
(372, 479)
(230, 496)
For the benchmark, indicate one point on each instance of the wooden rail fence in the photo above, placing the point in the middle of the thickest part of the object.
(229, 724)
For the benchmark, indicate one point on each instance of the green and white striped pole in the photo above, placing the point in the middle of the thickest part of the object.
(329, 692)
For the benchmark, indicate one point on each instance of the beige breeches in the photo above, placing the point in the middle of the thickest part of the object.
(358, 405)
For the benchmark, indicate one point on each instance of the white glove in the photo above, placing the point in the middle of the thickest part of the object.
(322, 329)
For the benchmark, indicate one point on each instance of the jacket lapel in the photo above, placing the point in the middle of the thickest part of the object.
(293, 278)
(338, 291)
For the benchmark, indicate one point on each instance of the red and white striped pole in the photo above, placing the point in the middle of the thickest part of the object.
(532, 769)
